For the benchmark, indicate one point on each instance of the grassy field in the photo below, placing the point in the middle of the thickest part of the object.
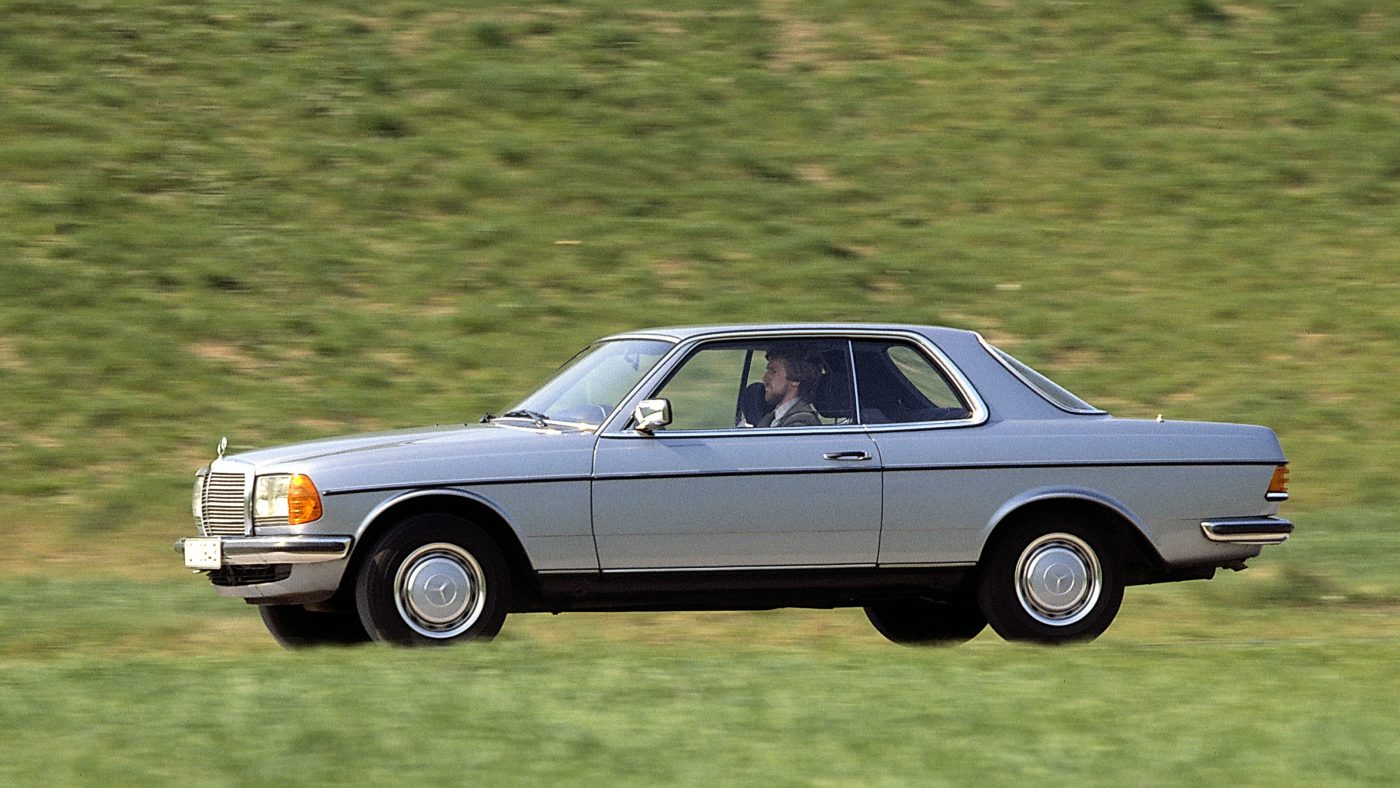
(165, 684)
(278, 222)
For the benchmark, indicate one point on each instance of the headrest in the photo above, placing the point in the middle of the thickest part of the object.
(752, 405)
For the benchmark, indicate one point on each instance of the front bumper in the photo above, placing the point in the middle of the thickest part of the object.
(268, 550)
(282, 570)
(1247, 530)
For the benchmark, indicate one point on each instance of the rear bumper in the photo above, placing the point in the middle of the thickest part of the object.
(1247, 530)
(264, 550)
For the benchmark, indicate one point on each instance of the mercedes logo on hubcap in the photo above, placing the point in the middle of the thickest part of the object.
(440, 590)
(1061, 578)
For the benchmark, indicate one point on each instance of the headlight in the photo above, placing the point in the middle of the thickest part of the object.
(290, 497)
(197, 505)
(270, 497)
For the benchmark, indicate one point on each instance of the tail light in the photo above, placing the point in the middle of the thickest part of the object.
(1278, 485)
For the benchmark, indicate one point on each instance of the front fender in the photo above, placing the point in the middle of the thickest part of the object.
(406, 497)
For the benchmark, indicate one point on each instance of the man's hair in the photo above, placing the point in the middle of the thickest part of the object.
(803, 367)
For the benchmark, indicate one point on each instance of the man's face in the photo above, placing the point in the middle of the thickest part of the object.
(777, 388)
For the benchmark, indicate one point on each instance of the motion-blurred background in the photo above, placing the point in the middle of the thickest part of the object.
(292, 220)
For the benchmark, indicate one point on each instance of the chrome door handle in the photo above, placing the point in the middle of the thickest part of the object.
(847, 456)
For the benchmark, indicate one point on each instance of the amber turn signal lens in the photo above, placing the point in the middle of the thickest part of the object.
(303, 502)
(1278, 485)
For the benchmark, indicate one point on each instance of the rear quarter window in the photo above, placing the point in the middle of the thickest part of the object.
(1053, 392)
(899, 385)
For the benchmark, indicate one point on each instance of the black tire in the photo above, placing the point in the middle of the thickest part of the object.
(1051, 580)
(433, 579)
(293, 627)
(927, 622)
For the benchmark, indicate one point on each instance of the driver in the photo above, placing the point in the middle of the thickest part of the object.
(789, 384)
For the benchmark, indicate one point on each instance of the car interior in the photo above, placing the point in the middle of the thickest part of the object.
(887, 395)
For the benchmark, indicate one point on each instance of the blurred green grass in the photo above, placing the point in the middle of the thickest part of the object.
(518, 713)
(282, 222)
(278, 223)
(158, 682)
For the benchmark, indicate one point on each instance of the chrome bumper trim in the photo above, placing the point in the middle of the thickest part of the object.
(263, 550)
(1248, 530)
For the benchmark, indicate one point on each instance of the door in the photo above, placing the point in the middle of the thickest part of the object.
(705, 493)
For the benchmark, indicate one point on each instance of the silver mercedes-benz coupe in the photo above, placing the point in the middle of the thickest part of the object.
(920, 473)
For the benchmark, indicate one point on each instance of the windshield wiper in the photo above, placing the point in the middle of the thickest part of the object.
(538, 418)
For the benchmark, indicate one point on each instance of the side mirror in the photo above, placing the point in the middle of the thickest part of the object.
(651, 414)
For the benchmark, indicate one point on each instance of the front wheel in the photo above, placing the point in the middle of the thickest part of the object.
(293, 626)
(926, 622)
(432, 580)
(1051, 581)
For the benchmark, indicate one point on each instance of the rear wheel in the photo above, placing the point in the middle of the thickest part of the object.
(293, 626)
(1051, 580)
(926, 622)
(432, 580)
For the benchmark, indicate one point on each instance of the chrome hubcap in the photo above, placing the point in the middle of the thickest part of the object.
(440, 590)
(1058, 579)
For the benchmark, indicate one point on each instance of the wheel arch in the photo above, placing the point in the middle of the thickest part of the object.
(1141, 560)
(477, 510)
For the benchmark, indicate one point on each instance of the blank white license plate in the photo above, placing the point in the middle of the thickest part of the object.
(203, 554)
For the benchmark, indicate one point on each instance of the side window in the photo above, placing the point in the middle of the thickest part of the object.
(779, 382)
(899, 384)
(704, 390)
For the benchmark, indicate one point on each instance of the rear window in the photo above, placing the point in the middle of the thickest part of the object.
(1056, 394)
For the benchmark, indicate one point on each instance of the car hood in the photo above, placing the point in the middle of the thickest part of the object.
(431, 455)
(349, 444)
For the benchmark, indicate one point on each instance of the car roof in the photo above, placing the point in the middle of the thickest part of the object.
(681, 333)
(1000, 389)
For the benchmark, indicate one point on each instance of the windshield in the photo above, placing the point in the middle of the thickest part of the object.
(588, 388)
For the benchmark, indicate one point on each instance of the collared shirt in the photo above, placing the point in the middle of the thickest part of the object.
(785, 408)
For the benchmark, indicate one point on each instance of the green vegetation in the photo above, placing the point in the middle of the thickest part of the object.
(292, 220)
(520, 713)
(163, 683)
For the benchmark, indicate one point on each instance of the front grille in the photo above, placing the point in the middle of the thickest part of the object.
(225, 505)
